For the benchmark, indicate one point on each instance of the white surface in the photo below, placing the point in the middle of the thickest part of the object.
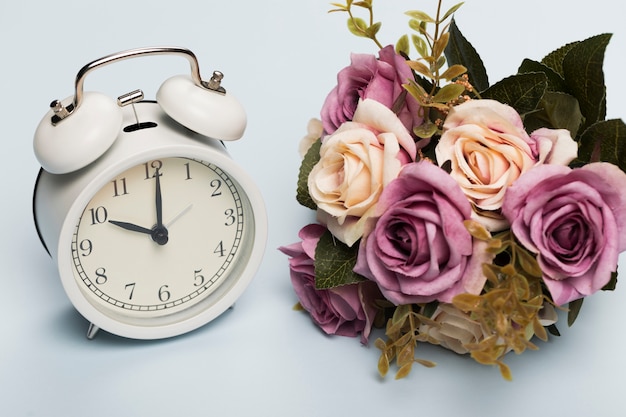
(280, 58)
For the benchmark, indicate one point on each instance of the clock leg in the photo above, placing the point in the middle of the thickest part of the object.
(91, 332)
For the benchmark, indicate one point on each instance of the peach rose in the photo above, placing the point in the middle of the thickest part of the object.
(488, 149)
(356, 163)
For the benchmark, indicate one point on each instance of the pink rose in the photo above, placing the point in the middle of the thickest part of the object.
(574, 220)
(418, 250)
(377, 79)
(488, 148)
(345, 311)
(356, 163)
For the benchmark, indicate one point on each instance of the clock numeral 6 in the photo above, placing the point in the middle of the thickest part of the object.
(164, 294)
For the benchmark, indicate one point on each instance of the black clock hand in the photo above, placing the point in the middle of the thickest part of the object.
(158, 200)
(132, 227)
(159, 232)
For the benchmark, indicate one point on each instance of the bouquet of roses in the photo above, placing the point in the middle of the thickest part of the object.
(454, 211)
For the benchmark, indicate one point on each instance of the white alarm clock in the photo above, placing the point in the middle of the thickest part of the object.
(154, 229)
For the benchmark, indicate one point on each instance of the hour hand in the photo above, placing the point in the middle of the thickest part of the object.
(132, 227)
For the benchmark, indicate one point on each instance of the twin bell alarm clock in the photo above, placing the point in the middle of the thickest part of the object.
(154, 229)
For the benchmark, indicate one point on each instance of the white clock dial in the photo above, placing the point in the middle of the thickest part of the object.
(159, 238)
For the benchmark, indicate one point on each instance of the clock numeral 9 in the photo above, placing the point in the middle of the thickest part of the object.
(86, 246)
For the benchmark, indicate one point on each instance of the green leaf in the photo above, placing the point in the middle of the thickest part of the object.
(523, 92)
(448, 93)
(451, 11)
(373, 30)
(453, 72)
(604, 141)
(556, 111)
(357, 26)
(419, 15)
(425, 130)
(402, 46)
(420, 45)
(574, 309)
(311, 158)
(582, 70)
(334, 261)
(460, 51)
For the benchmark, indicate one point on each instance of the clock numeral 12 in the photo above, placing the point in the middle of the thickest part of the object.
(157, 165)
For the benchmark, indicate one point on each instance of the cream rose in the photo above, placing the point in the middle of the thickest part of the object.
(356, 162)
(488, 149)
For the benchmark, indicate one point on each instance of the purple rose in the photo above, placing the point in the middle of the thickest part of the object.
(418, 250)
(347, 310)
(378, 79)
(574, 220)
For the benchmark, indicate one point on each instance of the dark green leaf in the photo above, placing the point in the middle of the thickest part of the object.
(460, 51)
(612, 284)
(582, 69)
(523, 92)
(604, 141)
(430, 308)
(553, 330)
(556, 111)
(574, 309)
(311, 158)
(555, 58)
(334, 261)
(555, 81)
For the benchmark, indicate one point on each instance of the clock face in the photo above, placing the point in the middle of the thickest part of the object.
(159, 238)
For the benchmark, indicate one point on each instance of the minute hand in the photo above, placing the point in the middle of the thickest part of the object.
(158, 200)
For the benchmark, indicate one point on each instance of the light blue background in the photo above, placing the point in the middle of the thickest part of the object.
(280, 58)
